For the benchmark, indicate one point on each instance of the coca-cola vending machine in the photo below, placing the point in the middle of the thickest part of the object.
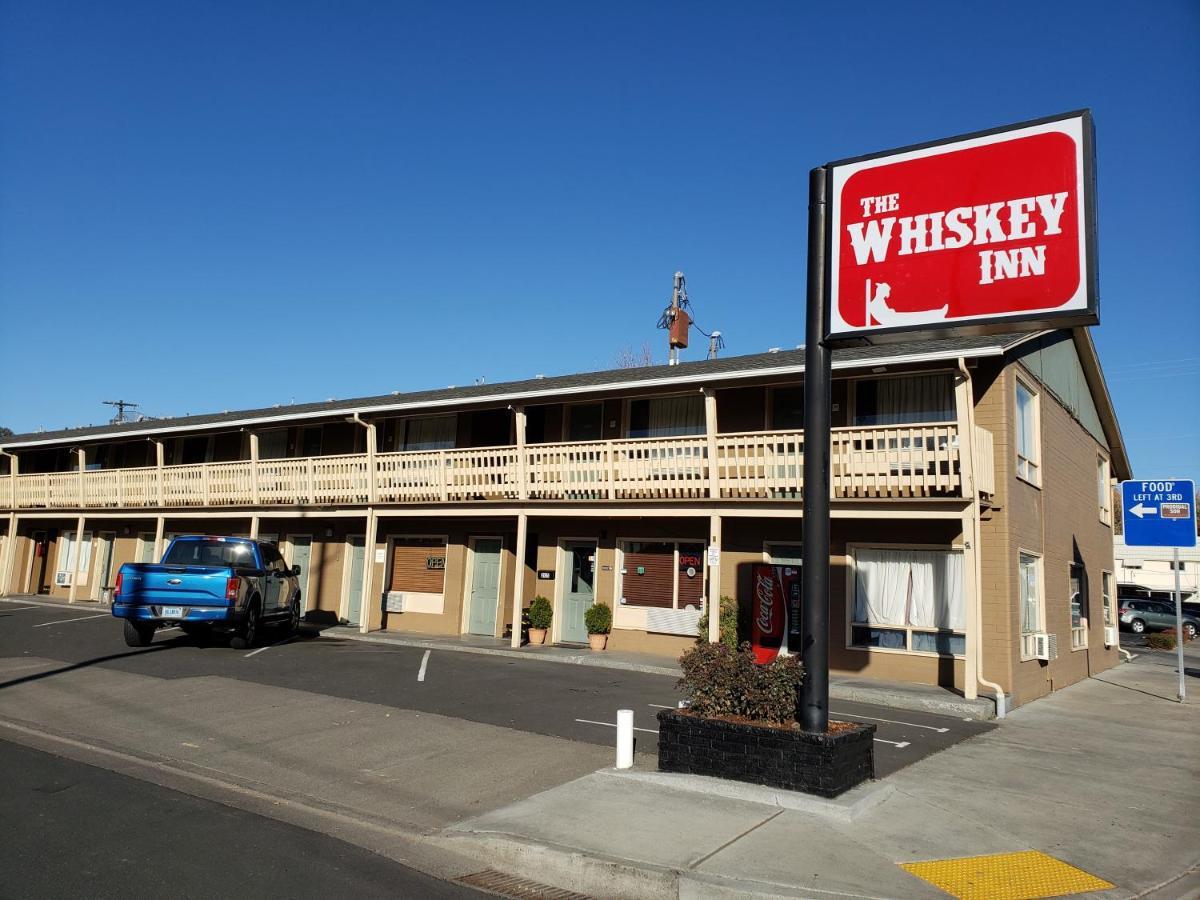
(775, 614)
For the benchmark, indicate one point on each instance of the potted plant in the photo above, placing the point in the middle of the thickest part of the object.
(740, 723)
(598, 620)
(540, 615)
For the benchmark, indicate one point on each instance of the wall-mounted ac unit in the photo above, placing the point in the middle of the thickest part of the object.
(1045, 646)
(62, 579)
(394, 601)
(1111, 638)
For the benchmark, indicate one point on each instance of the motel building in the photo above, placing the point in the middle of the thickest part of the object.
(971, 529)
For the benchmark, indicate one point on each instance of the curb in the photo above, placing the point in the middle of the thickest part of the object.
(980, 709)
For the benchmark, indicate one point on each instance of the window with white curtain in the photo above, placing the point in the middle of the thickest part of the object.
(1029, 578)
(905, 400)
(429, 433)
(75, 555)
(1027, 433)
(666, 416)
(909, 600)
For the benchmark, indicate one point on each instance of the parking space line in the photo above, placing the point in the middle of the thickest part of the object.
(424, 663)
(614, 725)
(22, 608)
(65, 621)
(891, 721)
(899, 745)
(660, 706)
(268, 647)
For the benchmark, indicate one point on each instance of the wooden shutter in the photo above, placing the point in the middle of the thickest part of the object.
(414, 562)
(656, 585)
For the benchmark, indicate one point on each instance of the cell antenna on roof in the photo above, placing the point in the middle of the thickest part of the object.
(675, 320)
(121, 405)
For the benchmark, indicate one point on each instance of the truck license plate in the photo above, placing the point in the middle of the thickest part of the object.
(172, 612)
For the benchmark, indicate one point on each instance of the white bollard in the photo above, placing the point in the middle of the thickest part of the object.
(624, 738)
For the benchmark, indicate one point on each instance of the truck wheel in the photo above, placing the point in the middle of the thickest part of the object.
(294, 616)
(247, 632)
(138, 635)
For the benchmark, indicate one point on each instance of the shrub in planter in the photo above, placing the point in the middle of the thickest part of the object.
(598, 621)
(728, 625)
(721, 681)
(541, 613)
(1163, 640)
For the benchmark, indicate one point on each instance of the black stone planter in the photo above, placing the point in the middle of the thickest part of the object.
(822, 764)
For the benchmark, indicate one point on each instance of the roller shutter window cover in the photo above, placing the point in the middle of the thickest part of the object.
(656, 586)
(691, 587)
(410, 565)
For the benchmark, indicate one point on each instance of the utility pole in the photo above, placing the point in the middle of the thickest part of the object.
(121, 406)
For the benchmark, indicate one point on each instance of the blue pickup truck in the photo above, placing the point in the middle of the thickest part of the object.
(207, 584)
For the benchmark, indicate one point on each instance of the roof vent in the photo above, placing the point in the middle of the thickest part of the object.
(540, 375)
(774, 349)
(395, 393)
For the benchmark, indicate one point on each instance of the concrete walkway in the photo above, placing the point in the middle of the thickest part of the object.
(1101, 775)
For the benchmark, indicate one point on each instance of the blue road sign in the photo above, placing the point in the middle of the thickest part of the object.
(1159, 513)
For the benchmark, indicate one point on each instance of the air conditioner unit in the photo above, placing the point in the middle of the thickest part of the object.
(394, 601)
(1045, 646)
(1111, 638)
(62, 579)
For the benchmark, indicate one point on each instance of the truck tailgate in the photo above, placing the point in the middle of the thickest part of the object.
(176, 585)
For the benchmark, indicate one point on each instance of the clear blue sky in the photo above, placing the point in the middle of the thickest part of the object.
(220, 205)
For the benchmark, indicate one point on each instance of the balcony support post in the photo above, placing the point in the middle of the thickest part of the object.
(710, 430)
(372, 448)
(518, 587)
(160, 525)
(522, 457)
(368, 607)
(80, 524)
(254, 467)
(10, 547)
(14, 465)
(254, 528)
(714, 582)
(81, 452)
(159, 460)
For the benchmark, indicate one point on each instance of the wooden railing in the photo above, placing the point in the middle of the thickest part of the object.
(909, 461)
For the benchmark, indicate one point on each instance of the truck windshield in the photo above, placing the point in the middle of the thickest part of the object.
(208, 553)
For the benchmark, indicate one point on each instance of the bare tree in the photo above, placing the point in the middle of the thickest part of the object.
(629, 358)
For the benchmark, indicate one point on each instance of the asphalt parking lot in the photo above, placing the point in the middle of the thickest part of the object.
(573, 702)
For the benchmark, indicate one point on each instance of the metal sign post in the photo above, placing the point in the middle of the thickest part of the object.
(1162, 513)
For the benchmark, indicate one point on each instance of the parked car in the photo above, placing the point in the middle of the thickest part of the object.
(1140, 616)
(206, 584)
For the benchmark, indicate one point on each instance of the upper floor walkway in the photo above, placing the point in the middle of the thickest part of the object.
(905, 462)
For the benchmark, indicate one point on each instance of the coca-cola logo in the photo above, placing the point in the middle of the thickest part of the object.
(765, 589)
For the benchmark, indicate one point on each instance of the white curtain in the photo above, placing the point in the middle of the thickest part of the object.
(921, 588)
(1029, 595)
(917, 398)
(431, 433)
(671, 416)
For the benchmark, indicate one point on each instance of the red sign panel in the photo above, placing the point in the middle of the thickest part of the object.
(983, 232)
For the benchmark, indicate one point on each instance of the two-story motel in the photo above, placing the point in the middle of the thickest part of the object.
(971, 524)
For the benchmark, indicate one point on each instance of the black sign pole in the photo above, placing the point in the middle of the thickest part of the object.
(814, 695)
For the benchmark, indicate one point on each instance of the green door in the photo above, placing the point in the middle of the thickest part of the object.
(358, 553)
(579, 591)
(301, 553)
(485, 586)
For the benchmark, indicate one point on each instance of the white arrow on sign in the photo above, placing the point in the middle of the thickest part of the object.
(1140, 510)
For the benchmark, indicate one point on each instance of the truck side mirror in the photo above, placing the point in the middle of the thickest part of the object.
(296, 571)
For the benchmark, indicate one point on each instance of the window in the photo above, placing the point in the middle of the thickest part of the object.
(273, 444)
(419, 565)
(75, 556)
(585, 421)
(1077, 591)
(1103, 490)
(663, 574)
(1180, 566)
(1106, 597)
(429, 433)
(210, 553)
(1027, 433)
(787, 408)
(1029, 574)
(272, 560)
(666, 416)
(904, 400)
(310, 440)
(909, 600)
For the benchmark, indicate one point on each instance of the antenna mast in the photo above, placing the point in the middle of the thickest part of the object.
(676, 321)
(121, 406)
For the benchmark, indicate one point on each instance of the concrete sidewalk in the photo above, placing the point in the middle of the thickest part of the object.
(1055, 778)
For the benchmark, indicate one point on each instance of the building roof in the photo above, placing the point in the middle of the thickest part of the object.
(783, 362)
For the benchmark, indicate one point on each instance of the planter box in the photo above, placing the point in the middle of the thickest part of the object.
(822, 764)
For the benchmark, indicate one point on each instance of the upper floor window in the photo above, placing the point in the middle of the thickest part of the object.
(1028, 457)
(273, 444)
(787, 408)
(657, 417)
(904, 400)
(585, 421)
(1103, 490)
(428, 433)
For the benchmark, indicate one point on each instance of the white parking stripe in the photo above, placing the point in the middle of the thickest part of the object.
(22, 608)
(268, 647)
(424, 663)
(899, 745)
(65, 621)
(890, 721)
(614, 725)
(660, 706)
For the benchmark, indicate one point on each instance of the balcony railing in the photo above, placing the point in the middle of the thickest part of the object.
(901, 462)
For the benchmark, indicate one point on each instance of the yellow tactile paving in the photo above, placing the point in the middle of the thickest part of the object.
(1006, 876)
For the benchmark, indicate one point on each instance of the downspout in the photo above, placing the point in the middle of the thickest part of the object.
(977, 555)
